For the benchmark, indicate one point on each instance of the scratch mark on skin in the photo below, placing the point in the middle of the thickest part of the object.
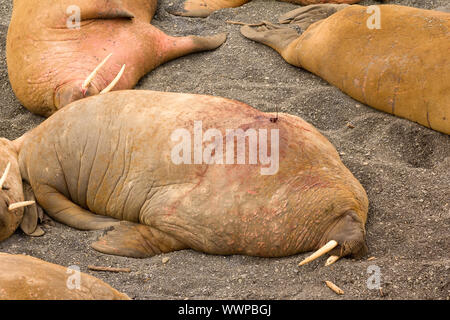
(394, 97)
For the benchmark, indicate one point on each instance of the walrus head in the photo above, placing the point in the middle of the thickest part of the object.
(12, 204)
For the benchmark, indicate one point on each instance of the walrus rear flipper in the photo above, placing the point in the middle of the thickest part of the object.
(203, 8)
(306, 16)
(137, 241)
(274, 36)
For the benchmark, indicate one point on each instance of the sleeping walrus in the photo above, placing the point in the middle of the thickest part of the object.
(400, 65)
(61, 51)
(143, 158)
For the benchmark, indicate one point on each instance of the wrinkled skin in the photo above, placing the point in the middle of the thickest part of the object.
(203, 8)
(48, 61)
(27, 278)
(107, 159)
(388, 68)
(12, 191)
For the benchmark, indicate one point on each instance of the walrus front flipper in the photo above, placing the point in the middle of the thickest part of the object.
(32, 214)
(65, 211)
(203, 8)
(276, 37)
(306, 16)
(136, 241)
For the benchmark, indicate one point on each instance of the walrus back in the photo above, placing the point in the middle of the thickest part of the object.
(402, 68)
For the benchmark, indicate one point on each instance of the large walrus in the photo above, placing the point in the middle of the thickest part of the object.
(126, 156)
(203, 8)
(399, 64)
(27, 278)
(59, 51)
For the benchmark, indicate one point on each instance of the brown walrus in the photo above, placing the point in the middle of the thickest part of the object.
(51, 62)
(124, 156)
(203, 8)
(27, 278)
(402, 68)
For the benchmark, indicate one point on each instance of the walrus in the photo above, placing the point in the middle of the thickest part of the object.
(386, 68)
(123, 160)
(26, 278)
(203, 8)
(53, 61)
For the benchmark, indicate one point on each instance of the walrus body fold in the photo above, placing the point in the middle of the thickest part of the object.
(49, 56)
(108, 161)
(402, 68)
(27, 278)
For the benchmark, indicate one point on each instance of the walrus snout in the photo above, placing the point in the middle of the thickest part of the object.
(11, 191)
(349, 233)
(9, 219)
(346, 237)
(70, 92)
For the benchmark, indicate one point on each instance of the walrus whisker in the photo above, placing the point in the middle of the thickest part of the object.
(326, 248)
(89, 79)
(331, 260)
(18, 205)
(114, 82)
(5, 174)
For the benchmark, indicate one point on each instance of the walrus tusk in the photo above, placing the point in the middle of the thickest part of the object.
(331, 260)
(5, 174)
(334, 287)
(89, 79)
(18, 205)
(326, 248)
(114, 82)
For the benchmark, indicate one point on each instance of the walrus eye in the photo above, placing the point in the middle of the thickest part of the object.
(5, 188)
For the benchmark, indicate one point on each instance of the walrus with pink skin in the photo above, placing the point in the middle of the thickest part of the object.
(27, 278)
(401, 67)
(52, 63)
(113, 160)
(203, 8)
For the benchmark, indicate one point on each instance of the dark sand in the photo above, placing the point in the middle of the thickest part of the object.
(404, 167)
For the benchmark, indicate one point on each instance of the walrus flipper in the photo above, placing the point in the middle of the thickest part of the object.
(32, 215)
(65, 211)
(274, 36)
(203, 8)
(136, 241)
(306, 16)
